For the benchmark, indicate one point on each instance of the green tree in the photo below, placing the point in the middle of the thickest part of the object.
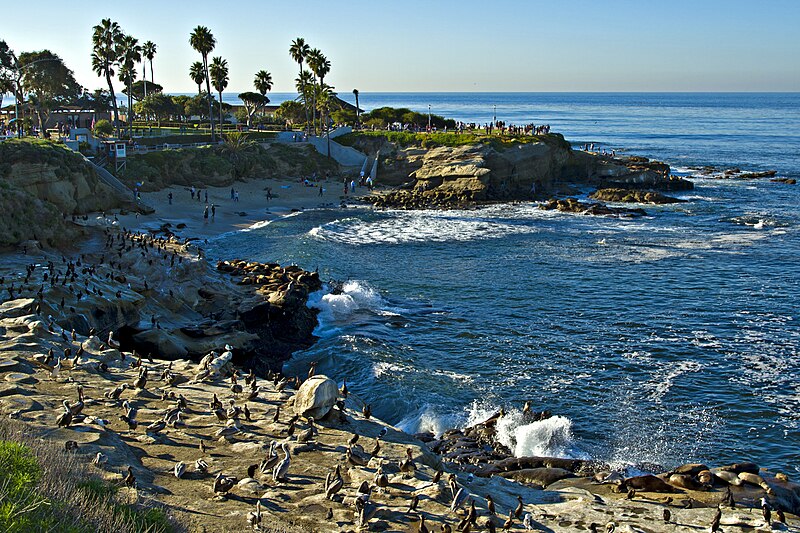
(158, 105)
(219, 78)
(298, 51)
(291, 111)
(137, 89)
(106, 38)
(103, 128)
(252, 103)
(325, 104)
(263, 82)
(149, 52)
(7, 71)
(47, 82)
(198, 75)
(181, 102)
(204, 42)
(130, 53)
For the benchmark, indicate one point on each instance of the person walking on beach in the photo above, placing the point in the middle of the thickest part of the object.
(205, 213)
(346, 188)
(213, 211)
(320, 191)
(353, 186)
(269, 193)
(232, 191)
(206, 195)
(192, 191)
(236, 196)
(169, 197)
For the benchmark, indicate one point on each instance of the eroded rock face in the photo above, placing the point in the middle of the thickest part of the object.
(315, 397)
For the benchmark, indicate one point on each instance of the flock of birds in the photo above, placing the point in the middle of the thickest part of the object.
(79, 278)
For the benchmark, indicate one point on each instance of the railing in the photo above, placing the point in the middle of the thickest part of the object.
(109, 179)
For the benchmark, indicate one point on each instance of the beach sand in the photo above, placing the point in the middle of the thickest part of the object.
(253, 205)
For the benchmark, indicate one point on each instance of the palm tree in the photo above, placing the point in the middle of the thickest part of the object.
(358, 117)
(204, 42)
(299, 50)
(130, 53)
(324, 104)
(149, 52)
(263, 82)
(304, 85)
(105, 43)
(198, 75)
(219, 78)
(315, 60)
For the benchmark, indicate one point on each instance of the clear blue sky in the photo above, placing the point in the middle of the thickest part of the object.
(449, 45)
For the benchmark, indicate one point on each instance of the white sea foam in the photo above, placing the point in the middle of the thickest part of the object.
(418, 226)
(336, 309)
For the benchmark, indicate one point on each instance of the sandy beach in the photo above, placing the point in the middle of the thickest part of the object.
(253, 206)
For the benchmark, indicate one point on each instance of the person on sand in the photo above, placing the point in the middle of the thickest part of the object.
(269, 193)
(169, 197)
(192, 191)
(205, 213)
(206, 195)
(236, 196)
(213, 211)
(346, 188)
(232, 191)
(321, 190)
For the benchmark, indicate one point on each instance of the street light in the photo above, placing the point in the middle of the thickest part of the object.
(429, 118)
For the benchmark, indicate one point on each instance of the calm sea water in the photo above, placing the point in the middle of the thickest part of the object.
(666, 339)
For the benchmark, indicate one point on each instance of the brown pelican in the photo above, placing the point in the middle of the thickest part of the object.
(459, 499)
(381, 480)
(366, 511)
(65, 418)
(268, 463)
(376, 449)
(77, 407)
(228, 431)
(111, 341)
(55, 370)
(201, 466)
(333, 483)
(156, 426)
(254, 517)
(141, 381)
(223, 484)
(282, 468)
(99, 459)
(356, 458)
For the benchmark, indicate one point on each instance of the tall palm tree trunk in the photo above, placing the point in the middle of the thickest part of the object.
(305, 100)
(113, 101)
(220, 113)
(208, 91)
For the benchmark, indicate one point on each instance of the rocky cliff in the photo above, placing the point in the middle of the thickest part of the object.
(43, 185)
(495, 170)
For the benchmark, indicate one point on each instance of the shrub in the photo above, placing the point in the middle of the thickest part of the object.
(103, 128)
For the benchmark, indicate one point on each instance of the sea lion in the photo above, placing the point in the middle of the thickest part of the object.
(728, 477)
(685, 481)
(648, 483)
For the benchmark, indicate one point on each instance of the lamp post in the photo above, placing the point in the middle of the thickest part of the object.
(429, 118)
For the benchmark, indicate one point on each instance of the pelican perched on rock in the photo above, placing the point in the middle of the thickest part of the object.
(99, 459)
(55, 370)
(333, 483)
(65, 418)
(201, 466)
(459, 499)
(141, 381)
(156, 426)
(114, 394)
(365, 511)
(269, 462)
(282, 468)
(254, 517)
(223, 484)
(77, 407)
(111, 341)
(228, 431)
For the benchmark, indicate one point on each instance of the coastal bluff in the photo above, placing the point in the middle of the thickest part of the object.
(44, 186)
(464, 170)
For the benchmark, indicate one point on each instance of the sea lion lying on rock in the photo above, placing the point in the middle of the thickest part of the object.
(541, 477)
(648, 483)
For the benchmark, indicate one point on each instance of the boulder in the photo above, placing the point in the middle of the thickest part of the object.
(316, 396)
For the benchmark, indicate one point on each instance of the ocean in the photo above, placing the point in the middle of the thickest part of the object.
(664, 339)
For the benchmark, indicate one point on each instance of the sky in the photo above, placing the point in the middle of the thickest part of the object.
(448, 45)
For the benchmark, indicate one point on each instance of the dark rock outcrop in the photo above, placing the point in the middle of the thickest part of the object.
(633, 196)
(573, 205)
